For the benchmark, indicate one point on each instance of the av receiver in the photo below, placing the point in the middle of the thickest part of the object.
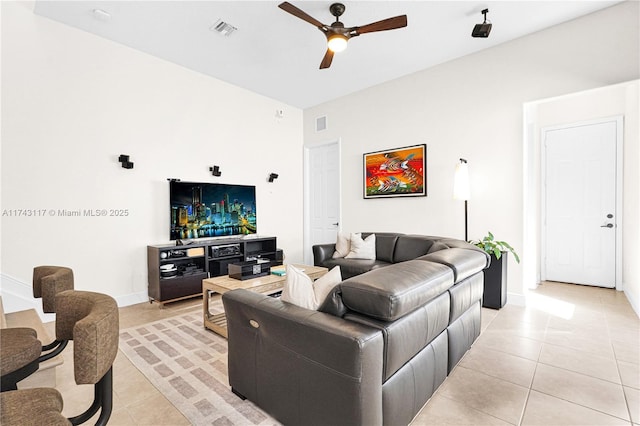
(225, 250)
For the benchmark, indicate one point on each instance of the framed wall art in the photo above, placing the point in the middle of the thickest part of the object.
(399, 172)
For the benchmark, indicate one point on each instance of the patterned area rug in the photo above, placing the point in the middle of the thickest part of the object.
(188, 365)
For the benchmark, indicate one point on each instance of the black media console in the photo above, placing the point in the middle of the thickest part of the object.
(176, 272)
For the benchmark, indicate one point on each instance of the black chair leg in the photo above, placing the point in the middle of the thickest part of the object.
(103, 399)
(57, 346)
(106, 385)
(51, 345)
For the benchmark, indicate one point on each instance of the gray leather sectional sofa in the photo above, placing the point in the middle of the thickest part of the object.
(374, 352)
(390, 248)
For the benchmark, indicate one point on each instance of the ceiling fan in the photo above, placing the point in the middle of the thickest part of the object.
(336, 33)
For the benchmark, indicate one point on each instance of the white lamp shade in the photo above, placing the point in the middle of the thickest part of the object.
(337, 42)
(461, 182)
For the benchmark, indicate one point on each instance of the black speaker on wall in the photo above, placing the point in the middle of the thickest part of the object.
(215, 171)
(124, 160)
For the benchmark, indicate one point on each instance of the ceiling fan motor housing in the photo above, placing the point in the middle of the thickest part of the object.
(337, 9)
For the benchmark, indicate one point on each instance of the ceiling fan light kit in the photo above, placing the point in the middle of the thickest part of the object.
(336, 33)
(337, 42)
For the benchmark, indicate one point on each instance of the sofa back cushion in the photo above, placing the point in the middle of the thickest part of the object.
(437, 246)
(462, 261)
(385, 245)
(409, 247)
(391, 292)
(352, 267)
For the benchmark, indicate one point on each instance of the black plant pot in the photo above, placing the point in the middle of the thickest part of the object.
(495, 283)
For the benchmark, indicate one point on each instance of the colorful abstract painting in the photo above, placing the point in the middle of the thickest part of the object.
(400, 172)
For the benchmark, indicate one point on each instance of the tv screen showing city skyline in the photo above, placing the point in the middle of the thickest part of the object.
(200, 210)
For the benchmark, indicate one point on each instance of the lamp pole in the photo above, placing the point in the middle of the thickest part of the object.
(466, 234)
(461, 190)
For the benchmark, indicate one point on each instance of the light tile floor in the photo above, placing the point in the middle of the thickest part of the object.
(571, 357)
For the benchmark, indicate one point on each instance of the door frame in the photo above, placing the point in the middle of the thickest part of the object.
(619, 191)
(306, 237)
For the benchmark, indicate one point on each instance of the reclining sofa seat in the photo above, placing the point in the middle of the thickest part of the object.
(377, 349)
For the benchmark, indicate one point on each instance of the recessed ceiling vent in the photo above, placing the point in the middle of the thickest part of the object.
(101, 15)
(223, 28)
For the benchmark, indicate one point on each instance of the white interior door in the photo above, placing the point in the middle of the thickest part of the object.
(323, 196)
(579, 204)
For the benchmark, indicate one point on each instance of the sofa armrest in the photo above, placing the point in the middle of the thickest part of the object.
(322, 252)
(303, 366)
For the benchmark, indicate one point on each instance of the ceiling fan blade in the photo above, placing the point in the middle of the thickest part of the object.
(384, 25)
(326, 61)
(288, 7)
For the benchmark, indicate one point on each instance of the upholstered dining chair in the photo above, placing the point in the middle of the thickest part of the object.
(20, 351)
(91, 320)
(48, 281)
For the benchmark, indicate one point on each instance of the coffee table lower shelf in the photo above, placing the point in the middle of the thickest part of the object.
(269, 284)
(216, 323)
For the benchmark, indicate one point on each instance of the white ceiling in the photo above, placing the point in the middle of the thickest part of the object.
(275, 54)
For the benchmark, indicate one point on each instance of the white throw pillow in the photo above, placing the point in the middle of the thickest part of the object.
(300, 290)
(362, 249)
(343, 245)
(323, 285)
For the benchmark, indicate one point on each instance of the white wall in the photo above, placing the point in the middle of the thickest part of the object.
(72, 102)
(472, 108)
(617, 100)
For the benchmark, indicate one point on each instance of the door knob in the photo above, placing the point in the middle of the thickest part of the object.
(336, 224)
(608, 225)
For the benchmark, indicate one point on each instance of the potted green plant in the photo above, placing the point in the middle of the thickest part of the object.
(495, 276)
(495, 247)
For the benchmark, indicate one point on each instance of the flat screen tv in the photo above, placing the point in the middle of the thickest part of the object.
(201, 210)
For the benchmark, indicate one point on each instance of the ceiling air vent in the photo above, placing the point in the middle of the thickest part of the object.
(223, 28)
(101, 15)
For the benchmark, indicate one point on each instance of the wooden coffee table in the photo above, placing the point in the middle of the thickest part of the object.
(269, 284)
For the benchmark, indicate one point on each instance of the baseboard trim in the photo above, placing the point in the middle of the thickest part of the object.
(132, 299)
(18, 296)
(634, 299)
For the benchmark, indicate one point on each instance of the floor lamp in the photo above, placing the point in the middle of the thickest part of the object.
(461, 189)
